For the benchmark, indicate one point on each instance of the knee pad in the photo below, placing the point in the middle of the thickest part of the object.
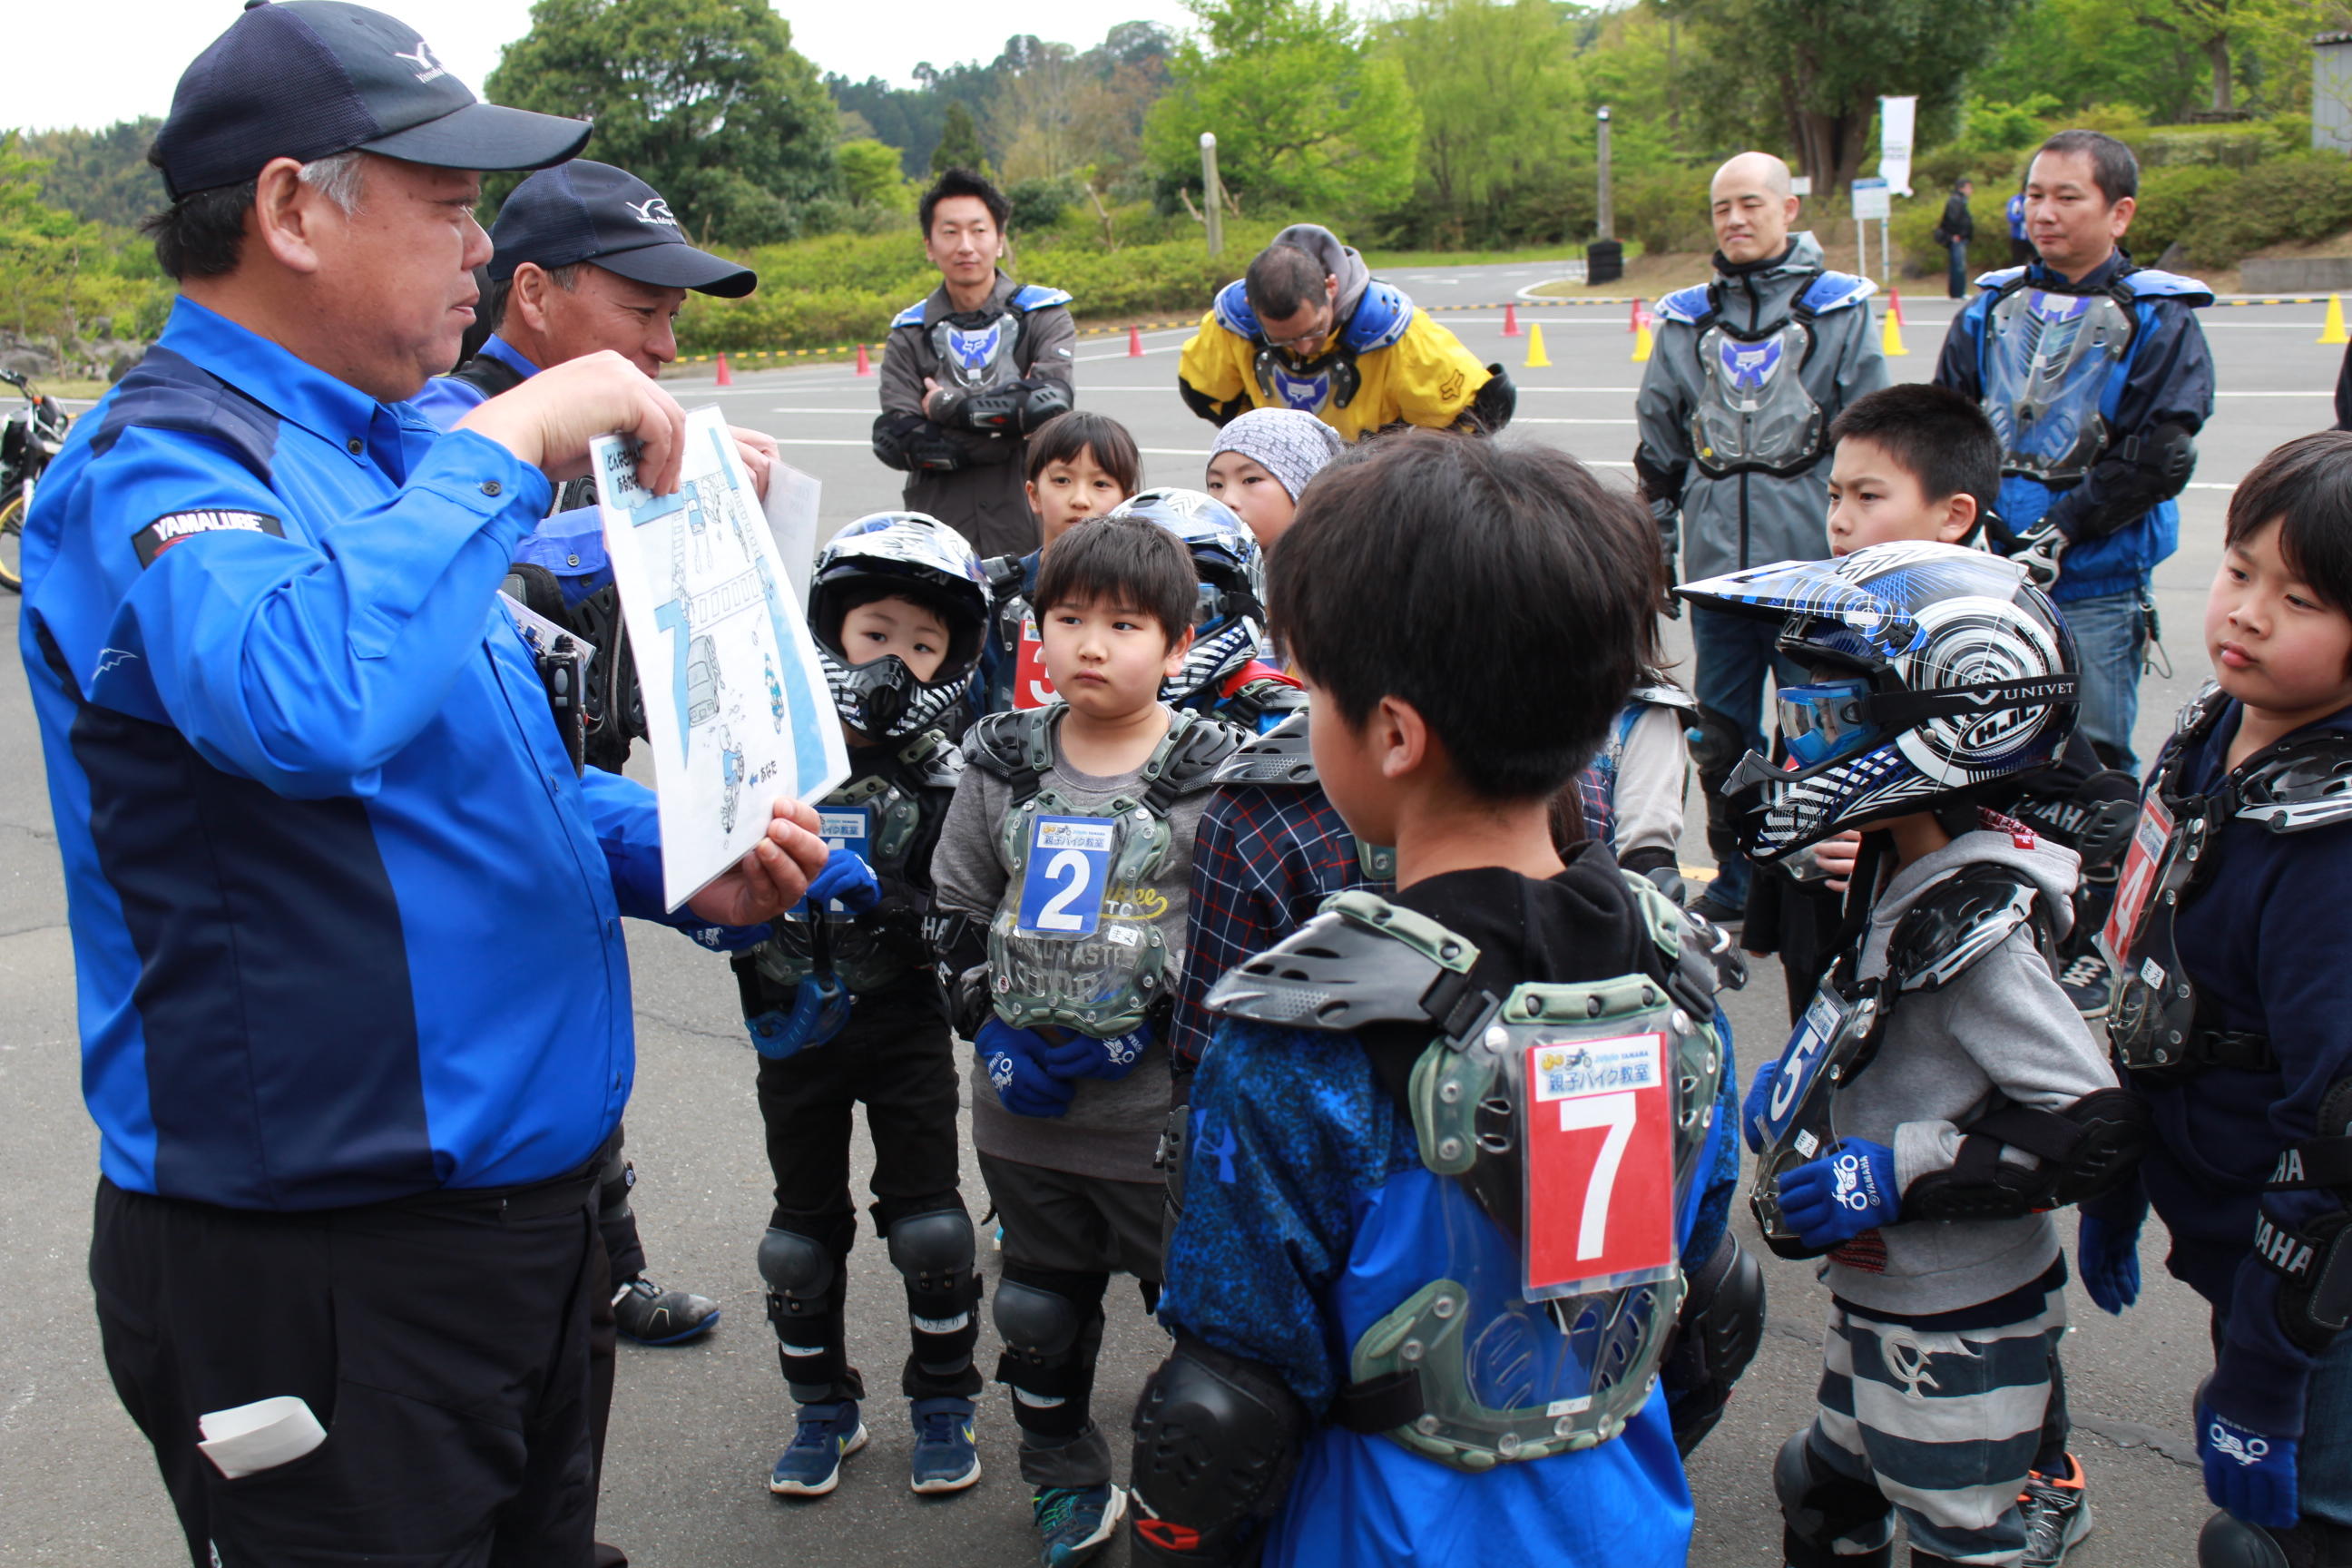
(1821, 1511)
(934, 1251)
(1039, 1325)
(1215, 1440)
(2229, 1542)
(1718, 1333)
(1051, 1338)
(797, 1268)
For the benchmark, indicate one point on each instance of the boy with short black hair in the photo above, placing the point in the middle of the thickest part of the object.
(1080, 465)
(1940, 1095)
(1353, 1210)
(2234, 1022)
(1061, 876)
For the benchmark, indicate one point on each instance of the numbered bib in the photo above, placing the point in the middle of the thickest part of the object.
(2143, 865)
(1032, 687)
(845, 828)
(1066, 875)
(1800, 1062)
(1599, 1142)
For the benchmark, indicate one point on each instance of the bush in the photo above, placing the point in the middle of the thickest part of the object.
(1666, 209)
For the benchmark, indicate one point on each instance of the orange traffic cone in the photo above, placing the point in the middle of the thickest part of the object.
(726, 376)
(1134, 343)
(1634, 322)
(1510, 320)
(865, 365)
(1894, 306)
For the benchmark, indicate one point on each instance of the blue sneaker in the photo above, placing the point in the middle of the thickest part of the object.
(945, 1458)
(1076, 1523)
(811, 1467)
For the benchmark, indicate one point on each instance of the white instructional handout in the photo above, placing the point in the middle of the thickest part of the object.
(792, 507)
(736, 701)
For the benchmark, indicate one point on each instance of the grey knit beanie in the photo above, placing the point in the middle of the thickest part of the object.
(1291, 446)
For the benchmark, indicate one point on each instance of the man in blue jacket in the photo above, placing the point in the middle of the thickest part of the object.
(353, 1000)
(2096, 377)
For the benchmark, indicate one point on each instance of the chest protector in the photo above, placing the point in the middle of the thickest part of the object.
(1950, 927)
(2049, 360)
(978, 348)
(878, 815)
(1076, 942)
(2157, 1028)
(1475, 1368)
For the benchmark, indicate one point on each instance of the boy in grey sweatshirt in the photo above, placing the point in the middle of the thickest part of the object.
(1061, 877)
(1941, 1094)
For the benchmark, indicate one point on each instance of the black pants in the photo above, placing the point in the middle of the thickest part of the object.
(898, 1060)
(442, 1344)
(616, 1222)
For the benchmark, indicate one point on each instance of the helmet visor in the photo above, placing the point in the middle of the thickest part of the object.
(1826, 720)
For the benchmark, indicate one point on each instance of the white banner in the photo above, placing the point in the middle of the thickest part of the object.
(1895, 117)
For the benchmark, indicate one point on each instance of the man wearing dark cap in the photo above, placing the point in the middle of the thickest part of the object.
(353, 1000)
(586, 258)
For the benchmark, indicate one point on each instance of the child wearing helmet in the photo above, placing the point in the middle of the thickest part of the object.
(1940, 1094)
(2232, 1022)
(843, 1009)
(1226, 671)
(1081, 464)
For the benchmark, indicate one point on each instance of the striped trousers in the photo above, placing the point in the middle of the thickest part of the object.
(1944, 1424)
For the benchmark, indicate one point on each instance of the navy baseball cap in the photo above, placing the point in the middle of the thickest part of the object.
(582, 211)
(309, 79)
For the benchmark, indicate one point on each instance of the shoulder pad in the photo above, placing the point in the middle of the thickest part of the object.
(1835, 292)
(1280, 756)
(1360, 960)
(2300, 785)
(1188, 760)
(1036, 297)
(167, 391)
(2002, 279)
(1004, 574)
(1955, 922)
(1381, 316)
(912, 316)
(1233, 311)
(1002, 745)
(1689, 306)
(1664, 693)
(2147, 283)
(936, 764)
(2197, 714)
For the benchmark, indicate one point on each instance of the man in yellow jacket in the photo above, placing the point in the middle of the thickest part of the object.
(1310, 328)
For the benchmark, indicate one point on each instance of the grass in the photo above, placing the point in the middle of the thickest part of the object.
(1388, 260)
(79, 391)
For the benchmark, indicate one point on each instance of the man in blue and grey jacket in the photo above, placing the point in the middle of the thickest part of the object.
(353, 1000)
(2096, 377)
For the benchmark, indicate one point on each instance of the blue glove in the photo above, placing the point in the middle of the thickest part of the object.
(846, 876)
(1759, 1097)
(1847, 1191)
(2247, 1472)
(2108, 1253)
(820, 1010)
(1083, 1055)
(1016, 1066)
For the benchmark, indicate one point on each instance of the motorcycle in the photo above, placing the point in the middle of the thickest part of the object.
(29, 439)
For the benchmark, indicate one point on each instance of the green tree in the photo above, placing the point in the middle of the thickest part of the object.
(959, 145)
(1824, 63)
(704, 100)
(2170, 58)
(1502, 112)
(102, 175)
(63, 278)
(870, 176)
(1305, 112)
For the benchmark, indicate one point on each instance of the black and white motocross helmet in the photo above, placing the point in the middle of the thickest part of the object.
(917, 557)
(1935, 669)
(1229, 626)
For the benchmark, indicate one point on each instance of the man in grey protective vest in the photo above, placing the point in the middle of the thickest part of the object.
(1748, 371)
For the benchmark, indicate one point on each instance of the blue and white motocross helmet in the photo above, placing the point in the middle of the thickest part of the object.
(897, 552)
(1229, 627)
(1937, 669)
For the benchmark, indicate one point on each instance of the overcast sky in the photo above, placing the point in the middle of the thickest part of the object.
(93, 62)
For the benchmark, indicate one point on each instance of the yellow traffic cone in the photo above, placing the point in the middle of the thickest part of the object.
(2332, 332)
(1642, 338)
(1536, 358)
(1890, 337)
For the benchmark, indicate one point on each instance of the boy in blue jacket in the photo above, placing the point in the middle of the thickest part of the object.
(1446, 1145)
(2234, 1019)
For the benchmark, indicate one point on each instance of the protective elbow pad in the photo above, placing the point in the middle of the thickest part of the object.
(2155, 466)
(959, 947)
(1717, 1335)
(1041, 401)
(2083, 1152)
(1216, 1438)
(1492, 404)
(913, 443)
(993, 410)
(1207, 407)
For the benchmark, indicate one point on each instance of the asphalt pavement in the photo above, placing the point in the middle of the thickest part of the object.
(696, 1427)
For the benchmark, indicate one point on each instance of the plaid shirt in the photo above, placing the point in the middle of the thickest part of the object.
(1265, 860)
